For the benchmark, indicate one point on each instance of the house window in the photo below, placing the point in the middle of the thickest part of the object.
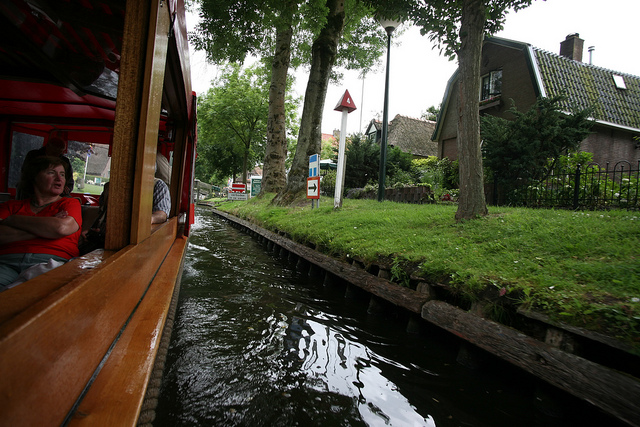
(491, 85)
(619, 81)
(373, 134)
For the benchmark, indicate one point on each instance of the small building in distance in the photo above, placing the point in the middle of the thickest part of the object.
(408, 134)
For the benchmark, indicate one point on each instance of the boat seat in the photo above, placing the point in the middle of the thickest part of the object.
(89, 215)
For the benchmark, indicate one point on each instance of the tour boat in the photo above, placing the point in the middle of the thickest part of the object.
(78, 344)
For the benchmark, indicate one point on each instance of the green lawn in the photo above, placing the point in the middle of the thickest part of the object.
(582, 268)
(90, 189)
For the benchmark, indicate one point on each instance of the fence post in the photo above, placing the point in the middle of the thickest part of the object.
(576, 188)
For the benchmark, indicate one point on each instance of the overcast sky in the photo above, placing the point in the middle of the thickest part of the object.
(418, 74)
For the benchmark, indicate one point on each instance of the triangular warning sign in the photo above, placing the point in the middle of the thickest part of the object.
(346, 103)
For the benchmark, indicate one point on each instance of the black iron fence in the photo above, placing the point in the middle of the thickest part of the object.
(582, 187)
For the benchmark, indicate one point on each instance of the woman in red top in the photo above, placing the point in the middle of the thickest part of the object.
(43, 227)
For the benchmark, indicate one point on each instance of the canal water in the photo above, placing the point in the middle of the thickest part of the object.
(258, 343)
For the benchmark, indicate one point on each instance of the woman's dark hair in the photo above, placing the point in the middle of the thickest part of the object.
(33, 168)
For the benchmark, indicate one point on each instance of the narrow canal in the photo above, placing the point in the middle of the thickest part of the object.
(257, 343)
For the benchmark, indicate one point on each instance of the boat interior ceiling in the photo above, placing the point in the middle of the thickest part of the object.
(62, 59)
(74, 43)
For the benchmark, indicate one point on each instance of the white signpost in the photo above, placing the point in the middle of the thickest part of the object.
(346, 105)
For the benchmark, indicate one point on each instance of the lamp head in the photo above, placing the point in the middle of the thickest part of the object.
(389, 24)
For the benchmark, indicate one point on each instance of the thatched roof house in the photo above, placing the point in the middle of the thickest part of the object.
(408, 134)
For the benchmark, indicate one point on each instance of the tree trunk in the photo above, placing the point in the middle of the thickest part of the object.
(471, 202)
(244, 165)
(274, 173)
(324, 51)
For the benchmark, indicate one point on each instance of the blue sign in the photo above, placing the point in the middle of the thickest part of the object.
(314, 165)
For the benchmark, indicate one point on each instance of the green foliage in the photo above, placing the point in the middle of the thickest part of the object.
(520, 149)
(363, 164)
(363, 161)
(328, 183)
(398, 167)
(440, 174)
(329, 151)
(77, 165)
(229, 31)
(431, 113)
(232, 123)
(399, 273)
(441, 19)
(572, 160)
(596, 187)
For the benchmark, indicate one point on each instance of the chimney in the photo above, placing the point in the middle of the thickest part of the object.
(571, 47)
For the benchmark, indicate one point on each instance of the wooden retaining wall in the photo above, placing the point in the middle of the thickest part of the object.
(591, 367)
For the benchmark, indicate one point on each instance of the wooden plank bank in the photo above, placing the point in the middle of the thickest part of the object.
(593, 368)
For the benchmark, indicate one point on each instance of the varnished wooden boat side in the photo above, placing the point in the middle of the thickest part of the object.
(124, 378)
(57, 344)
(78, 343)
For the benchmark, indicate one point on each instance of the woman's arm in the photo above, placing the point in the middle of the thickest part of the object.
(11, 234)
(53, 227)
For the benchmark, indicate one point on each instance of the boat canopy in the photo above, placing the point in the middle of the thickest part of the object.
(63, 61)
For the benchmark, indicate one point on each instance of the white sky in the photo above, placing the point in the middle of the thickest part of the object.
(418, 74)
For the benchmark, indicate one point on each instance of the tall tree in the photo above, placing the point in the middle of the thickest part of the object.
(323, 55)
(231, 30)
(350, 38)
(274, 176)
(314, 28)
(458, 28)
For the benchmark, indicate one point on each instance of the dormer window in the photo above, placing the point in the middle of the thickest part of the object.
(619, 81)
(491, 85)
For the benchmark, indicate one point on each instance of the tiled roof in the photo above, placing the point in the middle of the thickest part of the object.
(587, 85)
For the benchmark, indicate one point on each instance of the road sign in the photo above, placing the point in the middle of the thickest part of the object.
(313, 187)
(238, 187)
(237, 196)
(256, 185)
(314, 165)
(346, 103)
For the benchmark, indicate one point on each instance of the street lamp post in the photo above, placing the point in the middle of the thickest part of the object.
(389, 25)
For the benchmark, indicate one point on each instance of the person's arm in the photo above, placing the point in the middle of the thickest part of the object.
(158, 217)
(161, 202)
(11, 235)
(53, 227)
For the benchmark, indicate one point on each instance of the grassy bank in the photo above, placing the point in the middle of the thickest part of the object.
(582, 268)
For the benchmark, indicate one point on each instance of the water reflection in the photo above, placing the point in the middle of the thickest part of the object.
(257, 344)
(336, 364)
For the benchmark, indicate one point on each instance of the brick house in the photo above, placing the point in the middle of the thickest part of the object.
(408, 134)
(518, 72)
